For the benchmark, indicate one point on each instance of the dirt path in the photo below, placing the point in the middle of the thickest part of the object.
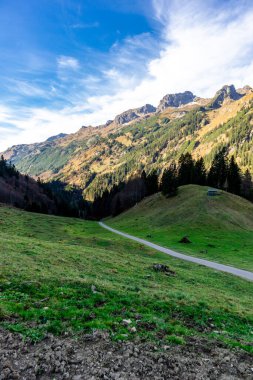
(210, 264)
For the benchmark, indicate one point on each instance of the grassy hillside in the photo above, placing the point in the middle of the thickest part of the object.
(97, 158)
(220, 228)
(61, 274)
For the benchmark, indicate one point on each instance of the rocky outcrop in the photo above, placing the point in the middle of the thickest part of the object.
(126, 117)
(59, 136)
(225, 93)
(133, 114)
(175, 100)
(108, 123)
(245, 90)
(148, 108)
(18, 152)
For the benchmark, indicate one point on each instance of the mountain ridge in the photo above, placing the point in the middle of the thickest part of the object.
(170, 100)
(95, 158)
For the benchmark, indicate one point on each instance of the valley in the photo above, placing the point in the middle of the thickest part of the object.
(126, 190)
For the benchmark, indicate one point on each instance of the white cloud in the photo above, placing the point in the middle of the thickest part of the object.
(65, 62)
(27, 89)
(200, 52)
(201, 49)
(36, 125)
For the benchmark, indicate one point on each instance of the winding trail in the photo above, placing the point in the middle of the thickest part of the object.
(210, 264)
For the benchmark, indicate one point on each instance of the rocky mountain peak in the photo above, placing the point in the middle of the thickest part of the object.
(229, 91)
(132, 114)
(147, 108)
(59, 136)
(245, 90)
(175, 100)
(226, 92)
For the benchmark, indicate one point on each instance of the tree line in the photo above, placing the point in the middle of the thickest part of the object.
(223, 174)
(53, 197)
(59, 198)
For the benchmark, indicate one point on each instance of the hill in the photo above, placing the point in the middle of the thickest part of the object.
(95, 158)
(220, 228)
(24, 192)
(63, 275)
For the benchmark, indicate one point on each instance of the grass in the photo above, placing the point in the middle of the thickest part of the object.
(63, 274)
(220, 228)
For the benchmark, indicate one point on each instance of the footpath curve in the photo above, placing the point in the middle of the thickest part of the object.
(210, 264)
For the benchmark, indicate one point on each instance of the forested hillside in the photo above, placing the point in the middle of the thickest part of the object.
(24, 192)
(95, 159)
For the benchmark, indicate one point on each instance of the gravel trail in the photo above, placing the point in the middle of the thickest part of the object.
(210, 264)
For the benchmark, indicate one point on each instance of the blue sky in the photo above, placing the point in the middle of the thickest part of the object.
(68, 63)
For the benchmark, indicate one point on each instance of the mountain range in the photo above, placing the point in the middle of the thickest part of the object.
(147, 137)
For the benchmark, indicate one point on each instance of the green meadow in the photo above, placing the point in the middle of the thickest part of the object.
(64, 274)
(220, 228)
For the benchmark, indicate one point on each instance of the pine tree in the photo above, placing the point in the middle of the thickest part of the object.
(247, 186)
(218, 172)
(2, 166)
(185, 169)
(234, 177)
(152, 183)
(199, 174)
(169, 181)
(116, 205)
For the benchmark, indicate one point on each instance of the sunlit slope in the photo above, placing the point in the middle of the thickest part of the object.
(95, 158)
(220, 228)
